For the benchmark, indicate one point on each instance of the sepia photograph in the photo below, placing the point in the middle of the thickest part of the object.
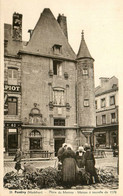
(60, 79)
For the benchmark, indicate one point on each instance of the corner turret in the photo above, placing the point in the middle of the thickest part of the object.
(83, 49)
(85, 91)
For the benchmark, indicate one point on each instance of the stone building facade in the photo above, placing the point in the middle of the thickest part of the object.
(106, 101)
(12, 88)
(55, 98)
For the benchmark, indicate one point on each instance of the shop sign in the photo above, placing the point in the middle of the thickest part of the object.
(12, 88)
(13, 125)
(12, 130)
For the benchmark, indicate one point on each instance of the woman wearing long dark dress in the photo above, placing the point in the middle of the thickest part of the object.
(90, 164)
(68, 167)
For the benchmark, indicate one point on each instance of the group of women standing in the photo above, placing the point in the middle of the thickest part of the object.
(72, 161)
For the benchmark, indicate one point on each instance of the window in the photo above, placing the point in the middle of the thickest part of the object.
(101, 139)
(103, 103)
(57, 68)
(12, 76)
(112, 100)
(96, 120)
(12, 140)
(86, 102)
(35, 140)
(35, 133)
(113, 118)
(12, 106)
(85, 71)
(96, 104)
(34, 143)
(59, 122)
(57, 49)
(58, 96)
(12, 73)
(103, 119)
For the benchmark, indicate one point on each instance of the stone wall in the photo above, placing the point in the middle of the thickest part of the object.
(108, 116)
(13, 63)
(37, 87)
(85, 88)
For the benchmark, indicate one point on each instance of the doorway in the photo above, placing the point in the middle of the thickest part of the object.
(12, 143)
(58, 144)
(114, 138)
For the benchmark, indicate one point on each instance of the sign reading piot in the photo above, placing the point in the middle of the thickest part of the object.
(12, 88)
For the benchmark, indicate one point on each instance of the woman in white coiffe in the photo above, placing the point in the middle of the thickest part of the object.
(80, 157)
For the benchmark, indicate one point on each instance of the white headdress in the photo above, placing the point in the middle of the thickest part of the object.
(81, 148)
(64, 144)
(70, 146)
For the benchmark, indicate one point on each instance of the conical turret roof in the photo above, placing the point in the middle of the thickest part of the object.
(46, 34)
(83, 49)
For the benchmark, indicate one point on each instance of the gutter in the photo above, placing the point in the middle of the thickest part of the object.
(44, 55)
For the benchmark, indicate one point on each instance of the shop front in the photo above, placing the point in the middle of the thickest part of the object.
(12, 137)
(105, 137)
(101, 139)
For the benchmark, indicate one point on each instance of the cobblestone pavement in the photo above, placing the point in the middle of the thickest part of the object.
(100, 163)
(9, 166)
(108, 163)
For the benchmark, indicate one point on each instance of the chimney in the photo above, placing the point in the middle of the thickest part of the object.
(63, 24)
(103, 80)
(30, 31)
(17, 27)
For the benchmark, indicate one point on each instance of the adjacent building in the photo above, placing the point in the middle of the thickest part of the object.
(49, 90)
(106, 103)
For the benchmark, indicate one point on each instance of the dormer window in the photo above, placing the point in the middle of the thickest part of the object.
(57, 49)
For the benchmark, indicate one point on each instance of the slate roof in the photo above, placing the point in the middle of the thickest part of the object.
(110, 86)
(83, 49)
(46, 34)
